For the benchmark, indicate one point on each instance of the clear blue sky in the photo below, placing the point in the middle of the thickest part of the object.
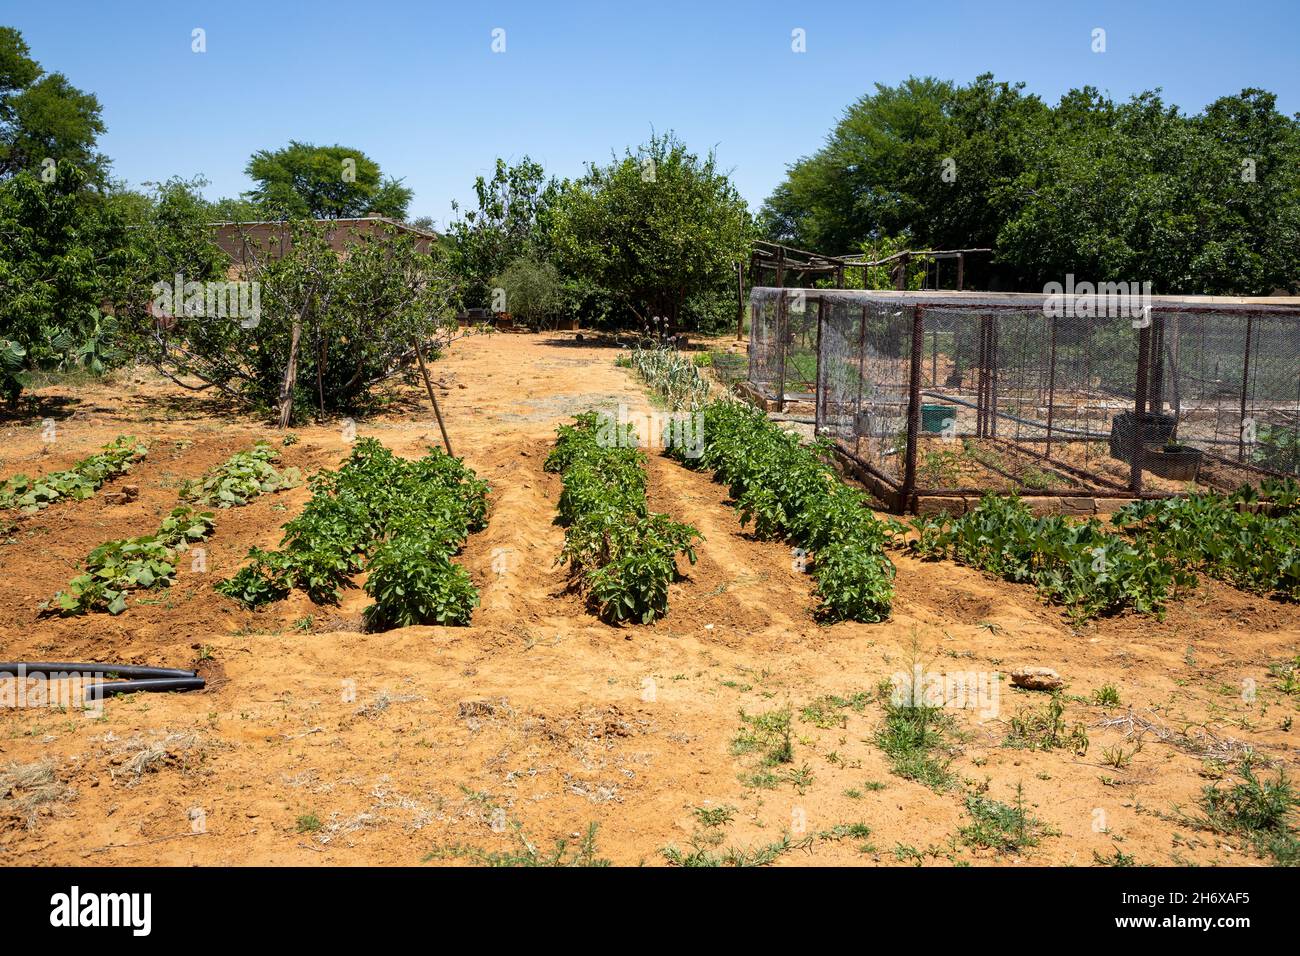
(417, 87)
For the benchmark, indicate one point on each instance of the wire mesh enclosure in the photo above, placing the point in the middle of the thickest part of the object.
(961, 393)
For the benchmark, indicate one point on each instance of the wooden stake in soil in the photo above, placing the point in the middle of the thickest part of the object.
(428, 387)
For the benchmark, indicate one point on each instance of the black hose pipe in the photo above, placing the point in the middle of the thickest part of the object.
(140, 679)
(121, 670)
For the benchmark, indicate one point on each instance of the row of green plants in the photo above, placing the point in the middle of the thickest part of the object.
(1077, 564)
(80, 481)
(618, 551)
(789, 490)
(242, 477)
(1235, 538)
(401, 521)
(671, 374)
(149, 561)
(117, 567)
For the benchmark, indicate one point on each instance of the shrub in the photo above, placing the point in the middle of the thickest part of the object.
(621, 553)
(788, 489)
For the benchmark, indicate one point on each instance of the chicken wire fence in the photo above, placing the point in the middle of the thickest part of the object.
(970, 392)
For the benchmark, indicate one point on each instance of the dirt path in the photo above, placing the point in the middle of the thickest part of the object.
(317, 743)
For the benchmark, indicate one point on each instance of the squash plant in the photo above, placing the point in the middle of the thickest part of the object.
(116, 567)
(242, 477)
(78, 482)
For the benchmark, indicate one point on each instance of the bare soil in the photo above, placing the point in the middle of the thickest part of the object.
(315, 742)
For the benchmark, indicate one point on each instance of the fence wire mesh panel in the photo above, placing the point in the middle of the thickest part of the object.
(863, 396)
(764, 342)
(1010, 395)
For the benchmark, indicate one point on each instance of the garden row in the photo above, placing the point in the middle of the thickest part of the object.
(149, 561)
(1154, 550)
(618, 551)
(398, 520)
(80, 481)
(790, 491)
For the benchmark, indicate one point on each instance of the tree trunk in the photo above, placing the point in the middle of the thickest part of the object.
(290, 374)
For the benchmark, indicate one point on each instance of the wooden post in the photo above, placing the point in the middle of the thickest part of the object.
(780, 327)
(1051, 387)
(913, 410)
(433, 399)
(1137, 452)
(1245, 386)
(857, 404)
(290, 374)
(740, 301)
(818, 394)
(961, 270)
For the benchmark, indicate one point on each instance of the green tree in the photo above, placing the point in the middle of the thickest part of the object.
(509, 222)
(324, 182)
(62, 252)
(43, 116)
(1208, 204)
(329, 328)
(532, 290)
(659, 230)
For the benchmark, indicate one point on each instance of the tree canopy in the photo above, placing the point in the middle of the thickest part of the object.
(1207, 203)
(659, 229)
(324, 182)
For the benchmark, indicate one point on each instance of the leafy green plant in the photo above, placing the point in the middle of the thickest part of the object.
(1075, 564)
(78, 482)
(1229, 537)
(116, 567)
(622, 554)
(400, 520)
(242, 477)
(787, 489)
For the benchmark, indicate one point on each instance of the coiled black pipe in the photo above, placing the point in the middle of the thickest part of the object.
(139, 679)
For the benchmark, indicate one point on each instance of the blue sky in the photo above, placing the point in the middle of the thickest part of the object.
(417, 86)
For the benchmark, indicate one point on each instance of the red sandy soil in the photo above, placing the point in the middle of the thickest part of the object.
(317, 743)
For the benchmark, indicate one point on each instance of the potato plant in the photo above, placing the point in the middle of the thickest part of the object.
(401, 521)
(788, 490)
(622, 555)
(78, 482)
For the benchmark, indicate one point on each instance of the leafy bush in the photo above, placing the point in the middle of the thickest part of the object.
(1075, 564)
(623, 554)
(80, 481)
(789, 490)
(399, 520)
(241, 478)
(1226, 537)
(116, 567)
